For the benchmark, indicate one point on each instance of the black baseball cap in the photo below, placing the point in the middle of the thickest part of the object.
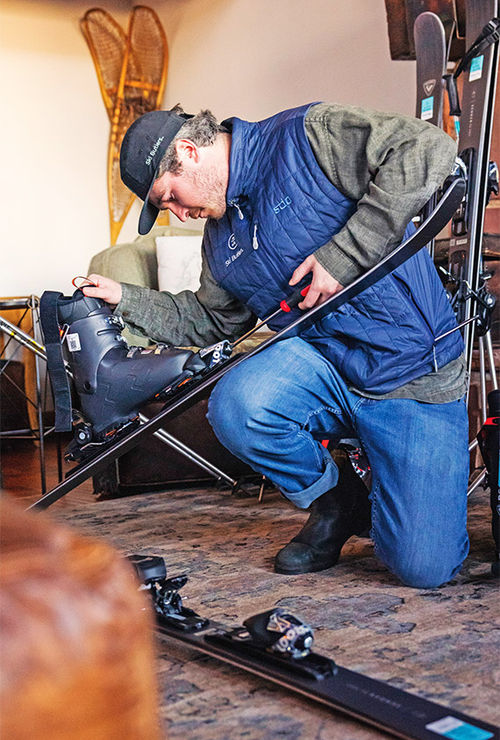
(143, 147)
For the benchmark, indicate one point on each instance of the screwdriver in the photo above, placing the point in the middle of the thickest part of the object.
(286, 306)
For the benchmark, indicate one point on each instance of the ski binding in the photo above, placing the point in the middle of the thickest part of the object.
(167, 602)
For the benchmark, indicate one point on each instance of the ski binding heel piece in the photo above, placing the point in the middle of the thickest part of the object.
(277, 638)
(196, 367)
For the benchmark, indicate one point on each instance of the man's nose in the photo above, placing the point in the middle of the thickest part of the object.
(179, 211)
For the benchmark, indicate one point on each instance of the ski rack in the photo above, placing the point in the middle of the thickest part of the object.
(465, 257)
(448, 204)
(280, 650)
(472, 302)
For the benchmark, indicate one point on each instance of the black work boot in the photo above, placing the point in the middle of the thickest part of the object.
(335, 516)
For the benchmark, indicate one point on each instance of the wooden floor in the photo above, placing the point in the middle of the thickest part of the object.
(21, 475)
(440, 643)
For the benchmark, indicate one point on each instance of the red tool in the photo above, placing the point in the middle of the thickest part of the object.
(286, 305)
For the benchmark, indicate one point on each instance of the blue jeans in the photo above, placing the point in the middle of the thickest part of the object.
(270, 411)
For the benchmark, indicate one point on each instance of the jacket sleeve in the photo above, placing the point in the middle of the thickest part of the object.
(188, 318)
(390, 164)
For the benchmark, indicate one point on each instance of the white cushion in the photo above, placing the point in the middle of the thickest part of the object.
(179, 262)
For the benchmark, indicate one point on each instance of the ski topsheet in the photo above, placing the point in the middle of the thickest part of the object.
(476, 121)
(371, 701)
(430, 53)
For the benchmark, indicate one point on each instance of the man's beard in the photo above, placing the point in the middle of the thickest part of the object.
(211, 184)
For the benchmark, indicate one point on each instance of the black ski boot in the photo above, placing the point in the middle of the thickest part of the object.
(111, 379)
(335, 516)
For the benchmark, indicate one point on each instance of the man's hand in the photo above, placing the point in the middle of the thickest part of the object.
(323, 285)
(105, 288)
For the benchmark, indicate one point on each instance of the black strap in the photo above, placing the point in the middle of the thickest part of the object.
(55, 361)
(452, 90)
(489, 35)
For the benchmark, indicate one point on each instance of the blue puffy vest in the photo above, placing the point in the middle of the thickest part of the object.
(281, 208)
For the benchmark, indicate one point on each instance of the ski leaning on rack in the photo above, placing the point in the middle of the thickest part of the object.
(277, 646)
(430, 54)
(192, 391)
(475, 116)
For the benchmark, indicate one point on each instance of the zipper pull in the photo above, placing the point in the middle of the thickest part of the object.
(235, 205)
(255, 243)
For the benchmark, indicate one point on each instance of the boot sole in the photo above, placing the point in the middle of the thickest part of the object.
(314, 568)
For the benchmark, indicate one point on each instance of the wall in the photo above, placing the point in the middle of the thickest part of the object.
(238, 57)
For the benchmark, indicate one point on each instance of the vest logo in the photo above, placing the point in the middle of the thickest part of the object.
(153, 151)
(231, 242)
(229, 262)
(284, 203)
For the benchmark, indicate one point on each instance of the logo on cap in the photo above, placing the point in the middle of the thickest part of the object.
(153, 151)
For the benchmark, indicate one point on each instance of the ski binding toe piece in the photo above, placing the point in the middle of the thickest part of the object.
(167, 601)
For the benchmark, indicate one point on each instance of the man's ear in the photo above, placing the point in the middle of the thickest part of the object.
(187, 151)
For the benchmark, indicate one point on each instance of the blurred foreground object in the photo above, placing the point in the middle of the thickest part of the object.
(77, 659)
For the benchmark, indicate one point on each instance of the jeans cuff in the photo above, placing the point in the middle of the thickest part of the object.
(328, 480)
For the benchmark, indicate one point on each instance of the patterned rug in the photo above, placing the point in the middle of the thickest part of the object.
(440, 643)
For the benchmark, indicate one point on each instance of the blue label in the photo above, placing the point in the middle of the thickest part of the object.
(476, 68)
(456, 729)
(427, 108)
(468, 732)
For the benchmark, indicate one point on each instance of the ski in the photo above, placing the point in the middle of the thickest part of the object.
(191, 391)
(277, 646)
(479, 70)
(430, 53)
